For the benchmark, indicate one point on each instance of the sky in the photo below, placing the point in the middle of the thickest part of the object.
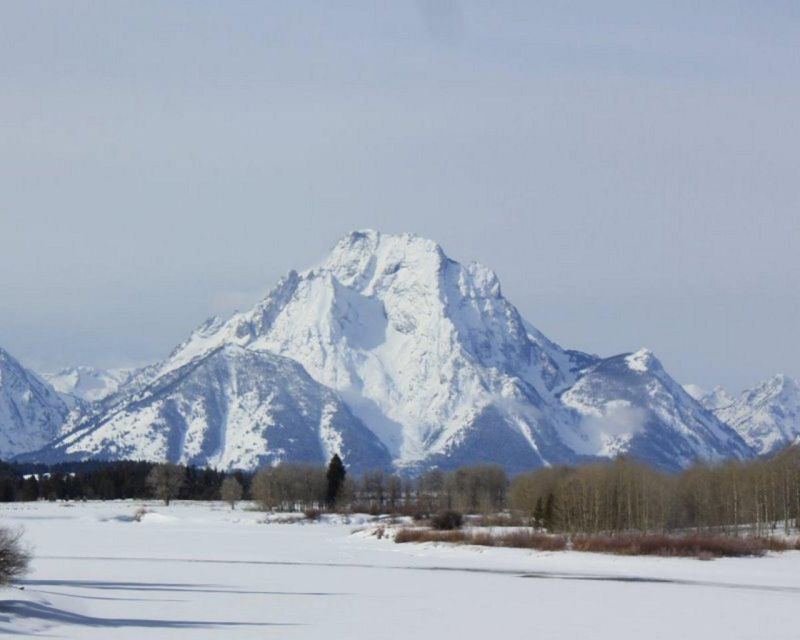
(630, 170)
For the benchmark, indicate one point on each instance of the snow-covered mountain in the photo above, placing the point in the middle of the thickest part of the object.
(31, 412)
(766, 416)
(423, 351)
(631, 405)
(88, 383)
(427, 352)
(718, 398)
(230, 408)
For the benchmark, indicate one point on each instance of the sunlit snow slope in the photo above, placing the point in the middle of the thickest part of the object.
(231, 408)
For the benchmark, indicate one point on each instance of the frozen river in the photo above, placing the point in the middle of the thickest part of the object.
(203, 571)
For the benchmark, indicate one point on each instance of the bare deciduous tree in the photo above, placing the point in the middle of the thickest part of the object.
(231, 491)
(165, 481)
(290, 487)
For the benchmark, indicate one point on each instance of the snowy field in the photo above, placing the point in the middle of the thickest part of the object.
(202, 571)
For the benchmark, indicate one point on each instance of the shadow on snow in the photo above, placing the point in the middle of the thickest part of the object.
(164, 586)
(38, 611)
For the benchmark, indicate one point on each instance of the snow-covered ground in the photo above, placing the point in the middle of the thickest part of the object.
(203, 571)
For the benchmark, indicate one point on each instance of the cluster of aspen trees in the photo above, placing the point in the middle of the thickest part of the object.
(759, 496)
(290, 487)
(477, 489)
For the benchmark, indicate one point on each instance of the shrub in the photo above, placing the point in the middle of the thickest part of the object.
(703, 547)
(312, 514)
(531, 540)
(447, 520)
(140, 513)
(14, 558)
(428, 535)
(512, 539)
(698, 546)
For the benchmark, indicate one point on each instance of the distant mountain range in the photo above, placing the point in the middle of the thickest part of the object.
(766, 416)
(394, 356)
(88, 384)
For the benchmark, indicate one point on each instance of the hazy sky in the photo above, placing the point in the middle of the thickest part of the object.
(629, 169)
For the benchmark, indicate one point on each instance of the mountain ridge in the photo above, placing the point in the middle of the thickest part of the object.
(767, 415)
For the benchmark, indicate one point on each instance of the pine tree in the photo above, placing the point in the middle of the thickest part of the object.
(335, 477)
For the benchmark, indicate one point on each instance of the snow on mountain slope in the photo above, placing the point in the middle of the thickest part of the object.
(631, 405)
(427, 352)
(718, 398)
(31, 412)
(231, 408)
(696, 391)
(767, 416)
(443, 369)
(422, 360)
(88, 383)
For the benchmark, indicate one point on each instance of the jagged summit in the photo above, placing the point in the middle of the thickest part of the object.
(630, 404)
(366, 261)
(718, 398)
(767, 416)
(643, 361)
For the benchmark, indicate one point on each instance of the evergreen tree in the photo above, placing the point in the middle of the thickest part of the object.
(30, 489)
(335, 477)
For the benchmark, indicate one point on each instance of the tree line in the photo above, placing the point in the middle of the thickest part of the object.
(97, 480)
(761, 496)
(621, 495)
(286, 487)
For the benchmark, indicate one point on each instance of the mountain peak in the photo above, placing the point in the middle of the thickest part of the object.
(778, 386)
(86, 382)
(643, 361)
(695, 390)
(783, 383)
(718, 398)
(768, 415)
(363, 259)
(373, 240)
